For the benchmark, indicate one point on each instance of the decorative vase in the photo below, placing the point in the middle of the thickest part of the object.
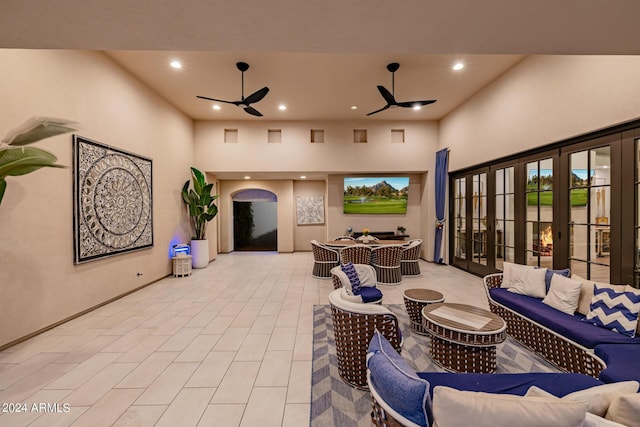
(200, 253)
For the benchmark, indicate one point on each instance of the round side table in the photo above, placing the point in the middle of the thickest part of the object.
(414, 301)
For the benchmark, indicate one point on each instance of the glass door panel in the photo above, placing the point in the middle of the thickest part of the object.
(479, 219)
(459, 213)
(539, 213)
(504, 238)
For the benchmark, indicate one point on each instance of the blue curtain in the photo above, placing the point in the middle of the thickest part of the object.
(442, 166)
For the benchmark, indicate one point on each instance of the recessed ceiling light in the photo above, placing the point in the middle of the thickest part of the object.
(216, 107)
(247, 177)
(176, 64)
(282, 107)
(417, 107)
(303, 177)
(354, 107)
(458, 66)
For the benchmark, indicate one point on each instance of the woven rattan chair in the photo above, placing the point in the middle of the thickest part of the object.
(343, 238)
(353, 327)
(324, 260)
(366, 274)
(387, 260)
(356, 254)
(409, 265)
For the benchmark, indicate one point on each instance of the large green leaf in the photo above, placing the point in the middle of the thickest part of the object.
(3, 187)
(37, 128)
(20, 161)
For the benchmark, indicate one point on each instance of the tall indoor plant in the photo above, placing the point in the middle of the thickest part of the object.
(202, 210)
(16, 159)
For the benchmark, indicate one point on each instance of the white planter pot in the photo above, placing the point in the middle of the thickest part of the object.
(200, 253)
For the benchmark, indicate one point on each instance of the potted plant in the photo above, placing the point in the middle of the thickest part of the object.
(16, 159)
(401, 230)
(202, 210)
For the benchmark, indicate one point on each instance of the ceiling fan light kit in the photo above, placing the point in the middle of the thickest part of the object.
(245, 103)
(390, 99)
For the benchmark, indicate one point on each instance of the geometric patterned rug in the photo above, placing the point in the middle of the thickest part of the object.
(334, 403)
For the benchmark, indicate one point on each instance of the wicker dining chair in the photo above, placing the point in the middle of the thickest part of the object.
(324, 260)
(345, 237)
(387, 262)
(356, 254)
(409, 265)
(353, 326)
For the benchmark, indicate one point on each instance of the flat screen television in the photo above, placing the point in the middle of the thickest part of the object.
(376, 195)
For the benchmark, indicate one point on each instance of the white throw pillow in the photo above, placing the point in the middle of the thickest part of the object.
(595, 421)
(529, 282)
(563, 294)
(455, 408)
(508, 270)
(599, 398)
(625, 410)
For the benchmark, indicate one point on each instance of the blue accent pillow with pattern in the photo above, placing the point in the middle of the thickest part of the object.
(617, 311)
(350, 270)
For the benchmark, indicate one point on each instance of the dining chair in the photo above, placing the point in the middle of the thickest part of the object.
(409, 265)
(356, 254)
(387, 262)
(324, 260)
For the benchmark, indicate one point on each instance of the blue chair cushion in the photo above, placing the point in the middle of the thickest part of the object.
(397, 383)
(558, 384)
(369, 294)
(350, 270)
(622, 360)
(617, 311)
(566, 325)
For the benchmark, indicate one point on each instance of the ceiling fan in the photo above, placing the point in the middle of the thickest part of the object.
(390, 98)
(245, 102)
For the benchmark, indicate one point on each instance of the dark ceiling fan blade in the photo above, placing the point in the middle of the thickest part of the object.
(219, 100)
(256, 96)
(253, 111)
(377, 111)
(388, 96)
(410, 104)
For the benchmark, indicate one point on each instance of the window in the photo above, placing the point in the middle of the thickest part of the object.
(459, 206)
(505, 217)
(539, 213)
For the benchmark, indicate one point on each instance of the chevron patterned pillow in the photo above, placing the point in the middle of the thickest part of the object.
(350, 270)
(617, 311)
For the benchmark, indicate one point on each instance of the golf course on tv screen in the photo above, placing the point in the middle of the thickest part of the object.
(376, 195)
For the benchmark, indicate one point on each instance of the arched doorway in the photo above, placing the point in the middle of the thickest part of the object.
(255, 221)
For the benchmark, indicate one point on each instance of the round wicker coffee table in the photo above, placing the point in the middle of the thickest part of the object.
(464, 337)
(414, 301)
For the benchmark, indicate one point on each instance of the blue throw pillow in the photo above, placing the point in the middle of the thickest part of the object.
(397, 383)
(370, 294)
(350, 270)
(617, 311)
(547, 279)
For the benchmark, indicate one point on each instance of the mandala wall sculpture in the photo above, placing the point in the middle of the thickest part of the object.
(112, 201)
(310, 210)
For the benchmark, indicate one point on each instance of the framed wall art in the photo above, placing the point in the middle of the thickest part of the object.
(310, 210)
(113, 203)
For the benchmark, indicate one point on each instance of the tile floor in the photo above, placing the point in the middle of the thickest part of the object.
(229, 346)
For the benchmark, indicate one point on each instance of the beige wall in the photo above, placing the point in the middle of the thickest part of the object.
(305, 233)
(543, 99)
(40, 285)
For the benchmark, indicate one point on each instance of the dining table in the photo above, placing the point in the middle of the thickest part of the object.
(373, 243)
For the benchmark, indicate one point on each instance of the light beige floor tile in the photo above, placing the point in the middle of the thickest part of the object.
(253, 347)
(88, 350)
(275, 369)
(264, 324)
(198, 349)
(180, 340)
(228, 415)
(54, 399)
(296, 414)
(143, 349)
(282, 339)
(165, 388)
(126, 342)
(299, 386)
(232, 339)
(84, 372)
(140, 416)
(237, 383)
(187, 408)
(93, 390)
(245, 319)
(148, 371)
(212, 369)
(26, 368)
(202, 319)
(24, 388)
(60, 419)
(218, 325)
(303, 347)
(265, 407)
(108, 409)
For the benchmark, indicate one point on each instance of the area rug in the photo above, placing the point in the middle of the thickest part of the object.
(334, 403)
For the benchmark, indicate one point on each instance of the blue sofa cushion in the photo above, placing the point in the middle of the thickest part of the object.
(547, 278)
(622, 360)
(566, 325)
(397, 383)
(558, 384)
(614, 310)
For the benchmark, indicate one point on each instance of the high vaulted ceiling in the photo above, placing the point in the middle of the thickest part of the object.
(321, 57)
